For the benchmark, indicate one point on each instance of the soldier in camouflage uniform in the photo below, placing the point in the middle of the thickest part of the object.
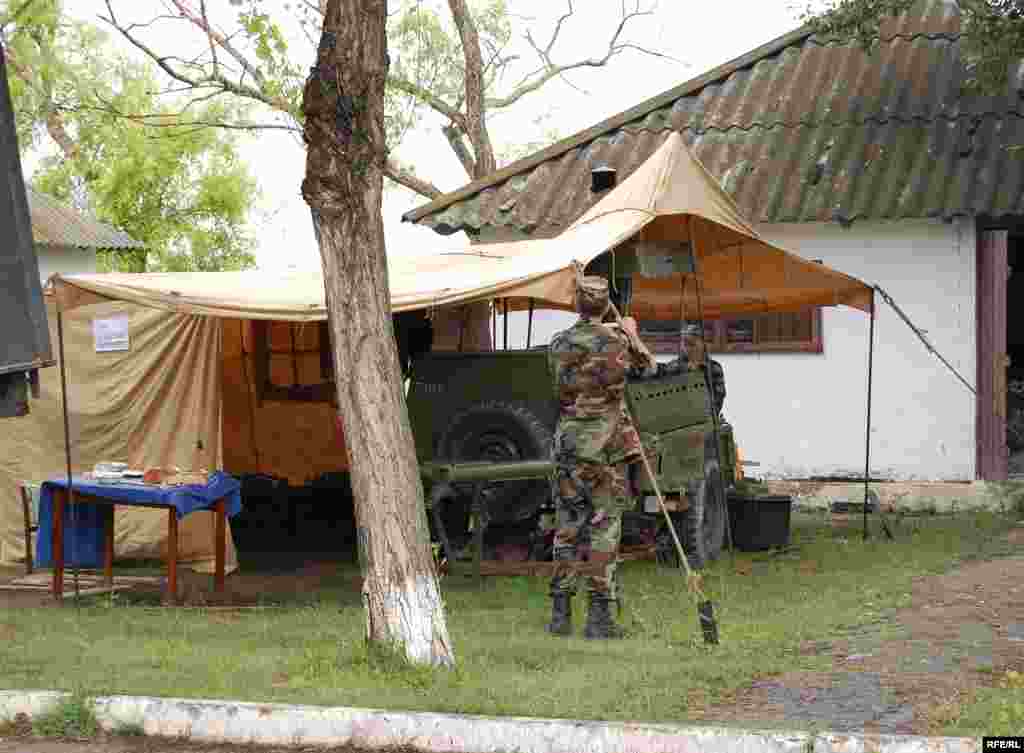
(594, 442)
(697, 358)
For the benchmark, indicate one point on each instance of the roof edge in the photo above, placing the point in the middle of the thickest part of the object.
(610, 124)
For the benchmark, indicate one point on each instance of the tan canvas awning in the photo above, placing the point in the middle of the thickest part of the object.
(670, 199)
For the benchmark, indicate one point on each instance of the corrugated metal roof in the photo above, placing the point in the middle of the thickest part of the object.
(801, 129)
(54, 224)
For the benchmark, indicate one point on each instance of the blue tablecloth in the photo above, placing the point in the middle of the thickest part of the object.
(84, 524)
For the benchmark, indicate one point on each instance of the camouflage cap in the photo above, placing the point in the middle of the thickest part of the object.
(591, 294)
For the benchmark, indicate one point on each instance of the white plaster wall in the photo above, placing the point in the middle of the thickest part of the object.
(803, 415)
(64, 260)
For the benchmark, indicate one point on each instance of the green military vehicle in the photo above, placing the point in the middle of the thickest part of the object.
(483, 424)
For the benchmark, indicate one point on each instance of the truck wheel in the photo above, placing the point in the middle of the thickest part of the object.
(701, 528)
(454, 512)
(500, 432)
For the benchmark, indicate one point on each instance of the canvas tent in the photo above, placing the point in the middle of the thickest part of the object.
(194, 337)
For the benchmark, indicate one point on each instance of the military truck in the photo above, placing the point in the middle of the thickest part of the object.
(483, 424)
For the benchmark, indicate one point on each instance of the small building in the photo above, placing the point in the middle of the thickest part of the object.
(66, 240)
(880, 166)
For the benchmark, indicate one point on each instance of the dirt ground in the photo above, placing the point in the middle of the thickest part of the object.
(910, 674)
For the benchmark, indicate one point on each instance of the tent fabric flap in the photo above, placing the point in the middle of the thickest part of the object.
(151, 401)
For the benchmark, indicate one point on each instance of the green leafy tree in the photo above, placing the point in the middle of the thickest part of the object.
(123, 153)
(992, 32)
(452, 58)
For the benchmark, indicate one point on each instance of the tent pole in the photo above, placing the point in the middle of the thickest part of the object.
(716, 435)
(682, 315)
(867, 431)
(504, 321)
(529, 325)
(67, 449)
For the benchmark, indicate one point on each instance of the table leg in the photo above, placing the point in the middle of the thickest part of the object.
(172, 555)
(26, 505)
(57, 541)
(220, 545)
(108, 545)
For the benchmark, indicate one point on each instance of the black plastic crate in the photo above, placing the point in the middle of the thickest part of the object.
(759, 523)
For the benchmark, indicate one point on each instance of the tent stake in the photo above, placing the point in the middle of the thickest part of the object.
(867, 431)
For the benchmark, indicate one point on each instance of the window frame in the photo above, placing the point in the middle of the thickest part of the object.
(667, 343)
(266, 390)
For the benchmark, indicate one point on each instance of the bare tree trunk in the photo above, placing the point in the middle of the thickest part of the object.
(344, 131)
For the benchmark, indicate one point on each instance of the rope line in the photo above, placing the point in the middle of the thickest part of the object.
(921, 336)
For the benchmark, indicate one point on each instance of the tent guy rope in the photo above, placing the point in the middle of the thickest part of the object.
(921, 336)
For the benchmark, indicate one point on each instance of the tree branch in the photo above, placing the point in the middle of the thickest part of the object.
(209, 37)
(218, 80)
(173, 120)
(549, 69)
(220, 39)
(405, 178)
(454, 136)
(476, 107)
(431, 100)
(54, 122)
(159, 60)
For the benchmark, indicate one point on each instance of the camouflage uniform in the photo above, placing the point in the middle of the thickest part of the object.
(694, 339)
(594, 441)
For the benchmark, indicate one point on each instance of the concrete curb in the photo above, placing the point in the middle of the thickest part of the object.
(282, 724)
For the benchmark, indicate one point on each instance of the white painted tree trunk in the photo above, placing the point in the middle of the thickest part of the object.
(344, 107)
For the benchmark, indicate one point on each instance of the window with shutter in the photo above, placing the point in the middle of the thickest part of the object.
(798, 332)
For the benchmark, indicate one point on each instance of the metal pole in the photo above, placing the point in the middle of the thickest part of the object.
(867, 432)
(494, 324)
(682, 314)
(529, 325)
(462, 327)
(716, 435)
(67, 440)
(504, 321)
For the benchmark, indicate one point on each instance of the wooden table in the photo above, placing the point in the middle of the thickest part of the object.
(60, 501)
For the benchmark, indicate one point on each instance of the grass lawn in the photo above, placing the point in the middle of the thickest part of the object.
(311, 650)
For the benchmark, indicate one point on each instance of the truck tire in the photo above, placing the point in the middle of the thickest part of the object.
(454, 512)
(501, 431)
(701, 528)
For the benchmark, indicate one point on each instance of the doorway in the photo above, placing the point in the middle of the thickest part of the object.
(1015, 355)
(1000, 349)
(994, 325)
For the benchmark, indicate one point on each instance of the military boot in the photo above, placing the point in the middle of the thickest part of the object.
(600, 623)
(561, 614)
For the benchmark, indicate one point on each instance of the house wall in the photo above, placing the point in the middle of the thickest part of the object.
(64, 260)
(803, 415)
